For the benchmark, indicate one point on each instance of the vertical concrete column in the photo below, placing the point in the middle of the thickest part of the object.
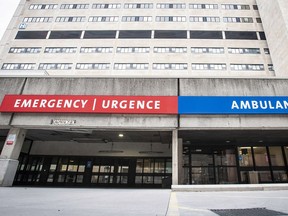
(176, 158)
(9, 156)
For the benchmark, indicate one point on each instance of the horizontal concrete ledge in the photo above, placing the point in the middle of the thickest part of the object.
(229, 187)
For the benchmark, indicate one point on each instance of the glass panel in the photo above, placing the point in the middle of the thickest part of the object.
(139, 166)
(96, 168)
(203, 175)
(61, 178)
(264, 176)
(280, 176)
(227, 175)
(124, 179)
(123, 169)
(159, 166)
(148, 165)
(70, 178)
(50, 178)
(202, 159)
(94, 179)
(286, 152)
(261, 158)
(225, 157)
(276, 156)
(147, 179)
(169, 166)
(244, 177)
(138, 180)
(104, 179)
(106, 169)
(158, 179)
(81, 168)
(245, 156)
(62, 165)
(73, 165)
(79, 179)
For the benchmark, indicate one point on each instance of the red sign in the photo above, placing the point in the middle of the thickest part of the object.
(90, 104)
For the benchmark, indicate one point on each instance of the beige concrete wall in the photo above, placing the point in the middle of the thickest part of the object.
(275, 21)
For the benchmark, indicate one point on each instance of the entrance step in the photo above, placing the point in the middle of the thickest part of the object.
(230, 187)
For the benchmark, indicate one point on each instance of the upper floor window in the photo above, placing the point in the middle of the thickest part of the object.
(204, 19)
(55, 66)
(93, 66)
(106, 6)
(235, 7)
(266, 51)
(208, 66)
(103, 19)
(203, 6)
(138, 5)
(60, 50)
(131, 66)
(71, 19)
(18, 66)
(170, 66)
(244, 50)
(238, 19)
(74, 6)
(170, 19)
(42, 6)
(96, 49)
(252, 67)
(37, 19)
(25, 50)
(211, 50)
(170, 49)
(171, 6)
(136, 19)
(133, 49)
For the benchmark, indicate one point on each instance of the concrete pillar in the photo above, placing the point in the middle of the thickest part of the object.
(9, 156)
(177, 148)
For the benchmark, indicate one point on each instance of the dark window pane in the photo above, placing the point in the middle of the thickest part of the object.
(65, 34)
(206, 35)
(262, 35)
(242, 35)
(135, 34)
(31, 35)
(170, 34)
(99, 34)
(255, 7)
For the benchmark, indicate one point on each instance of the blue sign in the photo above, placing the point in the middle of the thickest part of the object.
(232, 105)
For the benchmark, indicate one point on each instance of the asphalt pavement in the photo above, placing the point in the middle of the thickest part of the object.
(29, 201)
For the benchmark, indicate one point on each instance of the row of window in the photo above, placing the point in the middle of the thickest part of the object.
(142, 6)
(211, 50)
(141, 34)
(140, 19)
(135, 66)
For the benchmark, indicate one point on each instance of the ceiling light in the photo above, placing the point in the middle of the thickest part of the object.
(121, 135)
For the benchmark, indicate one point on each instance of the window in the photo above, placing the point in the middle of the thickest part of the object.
(208, 66)
(204, 19)
(103, 19)
(106, 6)
(211, 50)
(96, 49)
(170, 34)
(93, 66)
(247, 67)
(37, 19)
(133, 49)
(258, 20)
(203, 6)
(65, 34)
(238, 19)
(138, 6)
(131, 66)
(42, 6)
(262, 36)
(243, 50)
(171, 6)
(60, 50)
(266, 51)
(206, 35)
(235, 7)
(55, 66)
(31, 35)
(241, 35)
(18, 66)
(71, 19)
(136, 19)
(170, 49)
(270, 67)
(170, 66)
(135, 34)
(170, 19)
(25, 50)
(99, 34)
(255, 7)
(74, 6)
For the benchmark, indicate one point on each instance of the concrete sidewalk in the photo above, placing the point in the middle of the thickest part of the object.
(20, 201)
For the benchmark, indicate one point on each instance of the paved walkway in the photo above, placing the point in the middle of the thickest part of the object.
(20, 201)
